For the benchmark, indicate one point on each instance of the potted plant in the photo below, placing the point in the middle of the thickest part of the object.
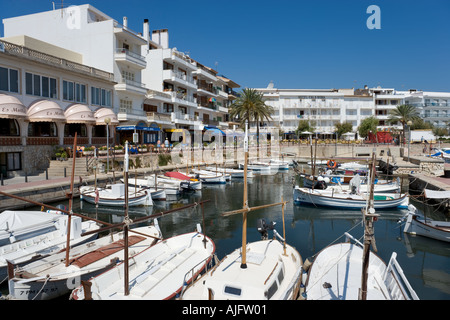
(88, 151)
(142, 148)
(102, 150)
(118, 149)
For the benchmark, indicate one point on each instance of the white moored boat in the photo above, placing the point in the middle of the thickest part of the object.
(261, 270)
(50, 277)
(335, 274)
(348, 200)
(416, 225)
(351, 271)
(157, 273)
(170, 187)
(114, 195)
(235, 173)
(208, 177)
(35, 234)
(273, 272)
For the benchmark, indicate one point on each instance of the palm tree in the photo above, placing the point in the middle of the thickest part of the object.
(403, 114)
(250, 106)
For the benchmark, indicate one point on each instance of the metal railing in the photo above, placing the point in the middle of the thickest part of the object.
(130, 53)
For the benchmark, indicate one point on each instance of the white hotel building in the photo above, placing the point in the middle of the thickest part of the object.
(157, 90)
(327, 107)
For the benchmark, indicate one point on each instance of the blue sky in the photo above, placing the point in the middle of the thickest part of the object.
(296, 44)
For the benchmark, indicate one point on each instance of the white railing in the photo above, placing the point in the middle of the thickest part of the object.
(22, 51)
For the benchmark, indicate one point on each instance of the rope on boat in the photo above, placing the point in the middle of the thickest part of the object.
(42, 288)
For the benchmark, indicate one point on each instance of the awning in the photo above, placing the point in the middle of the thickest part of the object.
(79, 113)
(11, 107)
(128, 128)
(174, 130)
(214, 129)
(45, 111)
(102, 113)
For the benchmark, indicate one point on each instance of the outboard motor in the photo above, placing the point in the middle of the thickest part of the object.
(263, 227)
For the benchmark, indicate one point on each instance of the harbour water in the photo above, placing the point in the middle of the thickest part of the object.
(426, 262)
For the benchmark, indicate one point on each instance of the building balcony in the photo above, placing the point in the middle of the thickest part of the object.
(185, 119)
(179, 78)
(161, 118)
(131, 114)
(129, 35)
(173, 56)
(206, 91)
(222, 94)
(130, 58)
(206, 74)
(130, 86)
(183, 99)
(223, 109)
(158, 96)
(210, 122)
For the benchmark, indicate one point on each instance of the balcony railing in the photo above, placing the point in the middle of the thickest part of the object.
(130, 53)
(155, 116)
(42, 141)
(31, 54)
(10, 141)
(132, 83)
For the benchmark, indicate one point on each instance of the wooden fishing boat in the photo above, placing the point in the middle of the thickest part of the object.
(380, 186)
(114, 195)
(36, 245)
(348, 200)
(187, 183)
(335, 274)
(350, 271)
(157, 273)
(234, 173)
(51, 277)
(208, 177)
(261, 270)
(423, 226)
(170, 187)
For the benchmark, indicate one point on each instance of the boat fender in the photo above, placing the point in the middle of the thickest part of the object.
(307, 264)
(331, 164)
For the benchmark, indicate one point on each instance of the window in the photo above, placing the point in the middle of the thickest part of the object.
(168, 107)
(40, 86)
(101, 97)
(126, 106)
(233, 290)
(9, 80)
(13, 161)
(73, 91)
(150, 108)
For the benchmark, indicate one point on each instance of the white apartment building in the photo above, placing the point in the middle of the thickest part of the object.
(183, 93)
(46, 95)
(327, 107)
(157, 87)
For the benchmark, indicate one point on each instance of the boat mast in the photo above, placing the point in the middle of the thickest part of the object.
(245, 205)
(125, 226)
(369, 217)
(70, 196)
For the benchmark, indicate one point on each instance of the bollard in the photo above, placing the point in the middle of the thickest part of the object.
(26, 177)
(1, 176)
(46, 174)
(65, 172)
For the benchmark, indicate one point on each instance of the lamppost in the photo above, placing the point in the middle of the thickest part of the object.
(409, 123)
(107, 121)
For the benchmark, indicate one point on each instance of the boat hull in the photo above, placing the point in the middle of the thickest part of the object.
(141, 198)
(427, 228)
(347, 201)
(63, 279)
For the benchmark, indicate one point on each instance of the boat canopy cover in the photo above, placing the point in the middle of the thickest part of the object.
(19, 221)
(177, 175)
(434, 194)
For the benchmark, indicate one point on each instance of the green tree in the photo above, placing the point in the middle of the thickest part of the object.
(368, 125)
(342, 128)
(440, 131)
(305, 125)
(250, 106)
(403, 114)
(418, 124)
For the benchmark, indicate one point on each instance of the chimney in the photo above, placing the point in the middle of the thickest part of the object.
(125, 22)
(146, 30)
(164, 38)
(155, 36)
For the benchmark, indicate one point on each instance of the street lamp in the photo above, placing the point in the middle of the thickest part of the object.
(107, 121)
(409, 123)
